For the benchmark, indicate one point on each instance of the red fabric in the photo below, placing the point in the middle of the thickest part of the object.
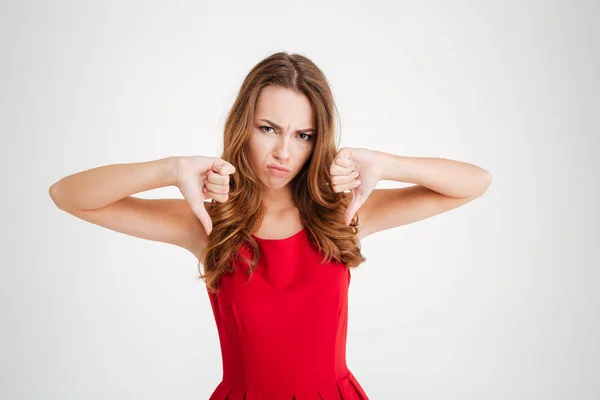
(283, 330)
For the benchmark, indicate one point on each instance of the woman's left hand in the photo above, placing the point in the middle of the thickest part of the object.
(357, 170)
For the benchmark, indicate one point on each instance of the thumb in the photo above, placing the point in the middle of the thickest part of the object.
(203, 216)
(353, 207)
(223, 167)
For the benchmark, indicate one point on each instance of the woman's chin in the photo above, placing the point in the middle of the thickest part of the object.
(276, 183)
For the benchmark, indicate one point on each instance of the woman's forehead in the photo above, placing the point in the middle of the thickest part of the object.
(284, 107)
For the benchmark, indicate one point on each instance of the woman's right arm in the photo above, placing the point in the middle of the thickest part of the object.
(103, 196)
(98, 187)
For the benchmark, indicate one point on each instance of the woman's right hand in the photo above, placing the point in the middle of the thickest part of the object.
(200, 178)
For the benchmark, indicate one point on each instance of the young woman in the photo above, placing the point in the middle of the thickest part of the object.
(281, 232)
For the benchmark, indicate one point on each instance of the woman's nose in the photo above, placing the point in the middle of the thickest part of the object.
(282, 147)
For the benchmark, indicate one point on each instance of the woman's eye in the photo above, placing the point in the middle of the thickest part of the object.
(267, 127)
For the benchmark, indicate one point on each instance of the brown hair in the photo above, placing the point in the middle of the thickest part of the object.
(321, 209)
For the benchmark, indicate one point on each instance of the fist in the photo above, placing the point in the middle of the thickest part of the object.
(200, 178)
(357, 170)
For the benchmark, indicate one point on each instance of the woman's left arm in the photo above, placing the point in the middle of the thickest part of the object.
(440, 185)
(448, 177)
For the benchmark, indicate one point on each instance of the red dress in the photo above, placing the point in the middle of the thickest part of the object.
(283, 331)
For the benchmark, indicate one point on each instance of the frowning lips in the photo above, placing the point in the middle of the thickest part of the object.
(280, 167)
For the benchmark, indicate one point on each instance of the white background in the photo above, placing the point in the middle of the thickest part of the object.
(495, 300)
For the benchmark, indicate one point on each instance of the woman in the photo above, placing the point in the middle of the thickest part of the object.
(281, 232)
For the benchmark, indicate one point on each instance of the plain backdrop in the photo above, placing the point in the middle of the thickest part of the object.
(495, 300)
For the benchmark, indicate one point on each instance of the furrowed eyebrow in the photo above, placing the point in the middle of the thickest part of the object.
(279, 127)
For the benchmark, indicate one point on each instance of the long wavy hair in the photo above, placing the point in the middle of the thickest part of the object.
(321, 209)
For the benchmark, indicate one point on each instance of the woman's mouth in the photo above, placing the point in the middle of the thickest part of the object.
(278, 172)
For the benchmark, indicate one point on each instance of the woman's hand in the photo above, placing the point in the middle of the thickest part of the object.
(200, 178)
(357, 170)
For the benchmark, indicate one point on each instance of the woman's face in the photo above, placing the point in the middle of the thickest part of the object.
(282, 135)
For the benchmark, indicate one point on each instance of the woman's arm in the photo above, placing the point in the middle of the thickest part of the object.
(102, 196)
(98, 187)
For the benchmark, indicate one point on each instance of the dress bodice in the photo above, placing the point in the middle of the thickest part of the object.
(282, 330)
